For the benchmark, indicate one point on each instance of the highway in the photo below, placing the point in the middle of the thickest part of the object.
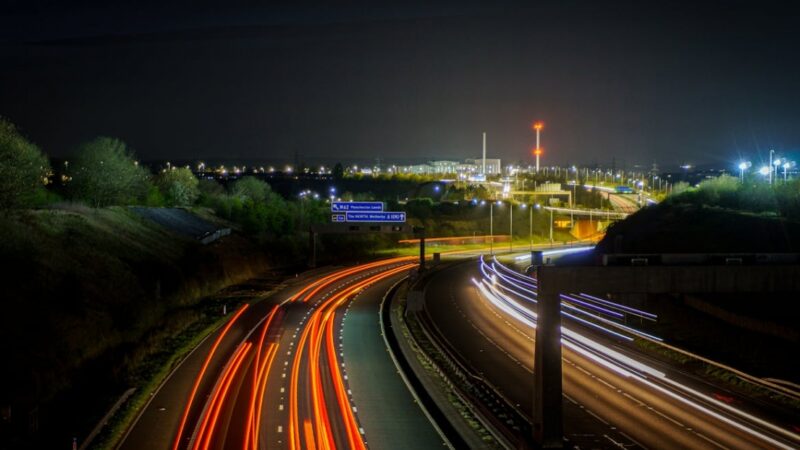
(276, 376)
(613, 398)
(623, 203)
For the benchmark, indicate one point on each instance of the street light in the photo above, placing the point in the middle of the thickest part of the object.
(771, 152)
(744, 165)
(510, 227)
(530, 223)
(765, 170)
(786, 166)
(491, 225)
(775, 164)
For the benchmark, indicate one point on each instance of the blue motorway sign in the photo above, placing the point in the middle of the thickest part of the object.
(356, 206)
(337, 218)
(381, 216)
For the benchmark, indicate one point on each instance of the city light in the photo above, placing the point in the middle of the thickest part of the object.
(764, 170)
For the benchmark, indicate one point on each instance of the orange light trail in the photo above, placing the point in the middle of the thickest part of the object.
(209, 423)
(322, 419)
(453, 239)
(270, 356)
(200, 375)
(251, 427)
(348, 416)
(330, 279)
(314, 331)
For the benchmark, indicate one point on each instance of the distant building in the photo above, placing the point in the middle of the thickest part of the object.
(493, 166)
(442, 167)
(467, 169)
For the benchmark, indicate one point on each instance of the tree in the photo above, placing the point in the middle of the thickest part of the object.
(179, 186)
(23, 168)
(105, 173)
(252, 188)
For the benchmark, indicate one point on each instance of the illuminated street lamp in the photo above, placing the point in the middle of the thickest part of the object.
(744, 165)
(774, 174)
(510, 227)
(766, 170)
(491, 228)
(530, 223)
(771, 152)
(786, 166)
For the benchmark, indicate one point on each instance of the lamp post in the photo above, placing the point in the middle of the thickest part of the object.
(744, 165)
(771, 151)
(491, 228)
(510, 227)
(775, 164)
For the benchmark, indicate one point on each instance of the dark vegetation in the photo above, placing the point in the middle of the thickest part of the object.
(721, 215)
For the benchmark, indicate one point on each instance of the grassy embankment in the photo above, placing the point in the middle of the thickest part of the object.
(687, 228)
(97, 300)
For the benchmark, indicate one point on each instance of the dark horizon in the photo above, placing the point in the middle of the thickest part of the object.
(705, 84)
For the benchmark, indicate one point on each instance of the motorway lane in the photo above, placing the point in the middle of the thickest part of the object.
(391, 418)
(627, 413)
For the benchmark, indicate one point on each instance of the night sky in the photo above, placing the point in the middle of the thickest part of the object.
(670, 83)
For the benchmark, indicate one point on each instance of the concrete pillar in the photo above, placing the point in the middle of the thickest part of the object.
(547, 402)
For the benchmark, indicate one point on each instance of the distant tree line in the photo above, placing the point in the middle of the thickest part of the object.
(104, 172)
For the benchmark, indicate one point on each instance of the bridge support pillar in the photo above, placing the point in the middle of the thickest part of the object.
(548, 426)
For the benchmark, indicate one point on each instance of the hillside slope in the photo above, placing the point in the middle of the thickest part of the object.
(83, 293)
